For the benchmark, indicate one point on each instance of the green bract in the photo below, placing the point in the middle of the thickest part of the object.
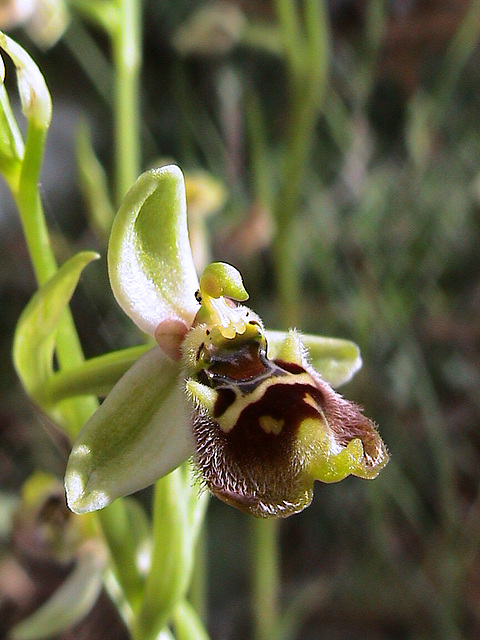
(34, 95)
(36, 336)
(34, 342)
(254, 408)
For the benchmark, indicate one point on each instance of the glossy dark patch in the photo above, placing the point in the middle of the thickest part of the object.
(243, 368)
(291, 367)
(242, 363)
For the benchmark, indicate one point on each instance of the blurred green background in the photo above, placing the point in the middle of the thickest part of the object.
(386, 240)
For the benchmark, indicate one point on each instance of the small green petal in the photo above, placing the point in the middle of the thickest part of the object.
(139, 434)
(201, 395)
(336, 360)
(71, 602)
(34, 340)
(290, 349)
(150, 262)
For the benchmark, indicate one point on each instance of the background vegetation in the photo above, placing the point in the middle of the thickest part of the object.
(383, 248)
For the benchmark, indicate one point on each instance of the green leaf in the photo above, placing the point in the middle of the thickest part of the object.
(34, 341)
(149, 257)
(335, 359)
(71, 602)
(172, 554)
(34, 94)
(139, 434)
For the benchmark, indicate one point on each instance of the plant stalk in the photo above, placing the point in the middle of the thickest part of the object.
(265, 561)
(127, 60)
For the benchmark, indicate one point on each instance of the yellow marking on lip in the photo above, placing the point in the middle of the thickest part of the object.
(310, 401)
(271, 425)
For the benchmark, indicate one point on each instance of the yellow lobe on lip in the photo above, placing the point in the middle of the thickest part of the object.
(271, 425)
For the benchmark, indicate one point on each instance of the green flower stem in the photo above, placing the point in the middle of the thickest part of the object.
(118, 534)
(126, 42)
(265, 577)
(30, 207)
(291, 36)
(286, 260)
(95, 376)
(172, 556)
(197, 594)
(187, 624)
(307, 88)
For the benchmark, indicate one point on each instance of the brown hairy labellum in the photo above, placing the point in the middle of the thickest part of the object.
(259, 441)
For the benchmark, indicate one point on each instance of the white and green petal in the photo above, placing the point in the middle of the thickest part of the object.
(140, 433)
(150, 262)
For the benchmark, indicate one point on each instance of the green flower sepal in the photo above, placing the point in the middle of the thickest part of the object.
(254, 409)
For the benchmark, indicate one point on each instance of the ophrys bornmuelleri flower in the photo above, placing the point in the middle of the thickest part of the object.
(255, 409)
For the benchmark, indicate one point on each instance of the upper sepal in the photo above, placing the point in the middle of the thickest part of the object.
(150, 262)
(140, 433)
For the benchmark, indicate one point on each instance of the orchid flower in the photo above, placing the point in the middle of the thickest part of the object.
(254, 409)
